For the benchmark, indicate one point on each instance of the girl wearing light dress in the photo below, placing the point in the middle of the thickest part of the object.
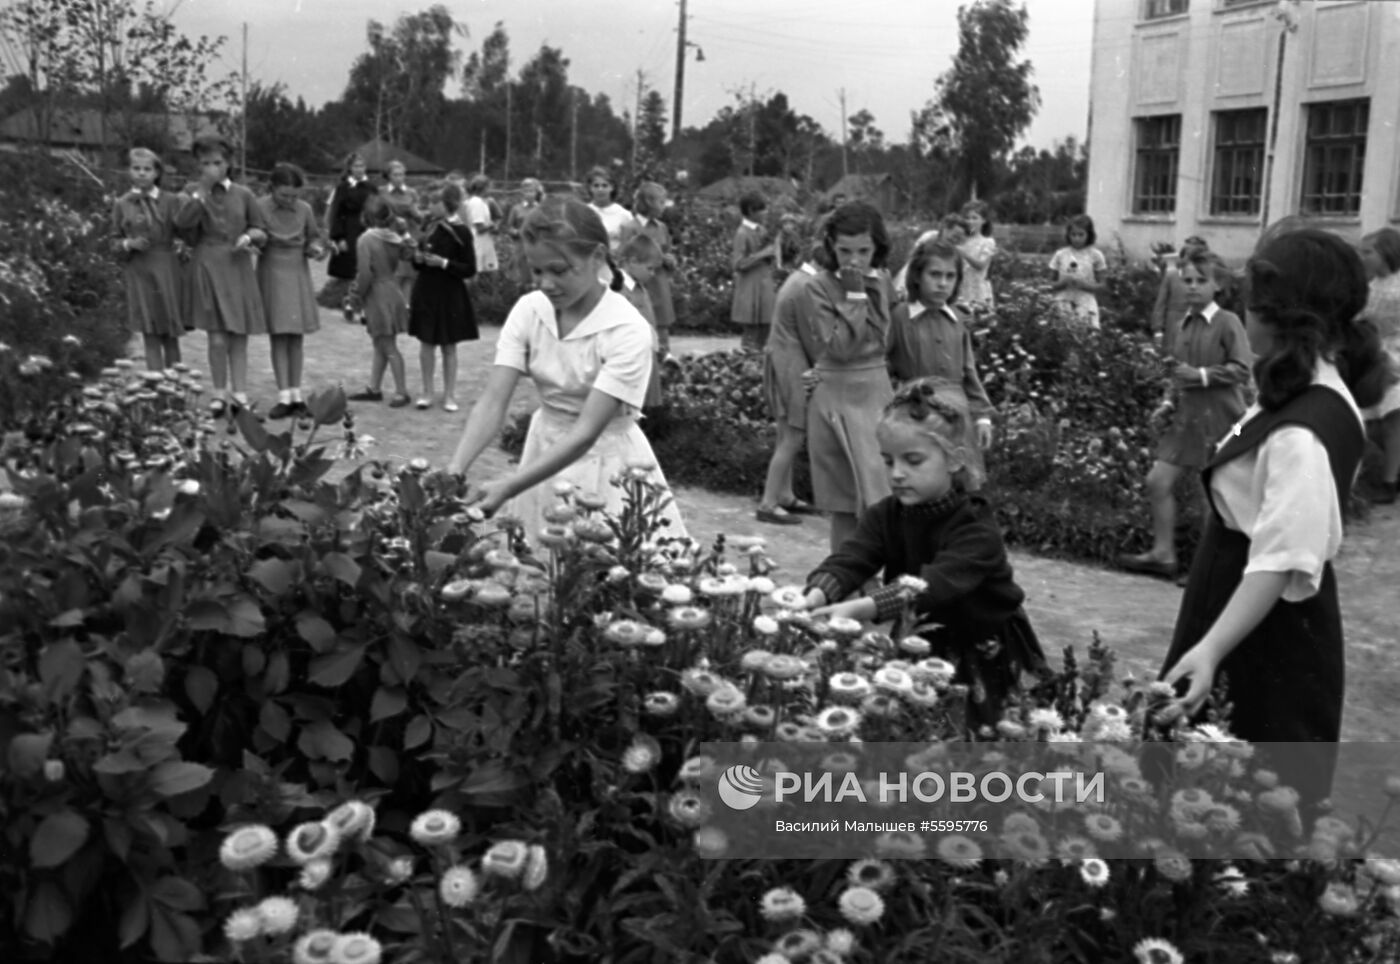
(975, 292)
(617, 220)
(589, 354)
(1078, 267)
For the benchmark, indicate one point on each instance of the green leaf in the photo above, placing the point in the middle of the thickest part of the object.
(334, 669)
(384, 763)
(340, 566)
(322, 741)
(327, 406)
(388, 701)
(492, 780)
(201, 685)
(207, 614)
(174, 936)
(277, 576)
(275, 721)
(405, 657)
(27, 752)
(318, 633)
(57, 838)
(252, 430)
(60, 668)
(419, 731)
(177, 893)
(48, 915)
(68, 619)
(136, 919)
(245, 617)
(175, 777)
(438, 561)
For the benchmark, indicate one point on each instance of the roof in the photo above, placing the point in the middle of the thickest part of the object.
(733, 188)
(378, 154)
(82, 127)
(859, 185)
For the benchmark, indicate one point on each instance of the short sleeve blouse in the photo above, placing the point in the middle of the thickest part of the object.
(1282, 496)
(610, 350)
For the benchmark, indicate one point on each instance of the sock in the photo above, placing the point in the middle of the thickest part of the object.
(296, 394)
(241, 398)
(284, 397)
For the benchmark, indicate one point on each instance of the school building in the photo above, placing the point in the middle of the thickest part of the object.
(1217, 117)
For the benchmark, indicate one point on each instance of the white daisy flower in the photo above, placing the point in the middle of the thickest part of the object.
(838, 720)
(315, 947)
(279, 915)
(840, 941)
(433, 827)
(459, 886)
(642, 755)
(1094, 872)
(357, 948)
(861, 905)
(506, 859)
(244, 924)
(1155, 950)
(765, 625)
(248, 847)
(536, 868)
(782, 904)
(354, 818)
(314, 874)
(789, 597)
(677, 595)
(314, 840)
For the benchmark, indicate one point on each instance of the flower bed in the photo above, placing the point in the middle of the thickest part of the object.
(255, 714)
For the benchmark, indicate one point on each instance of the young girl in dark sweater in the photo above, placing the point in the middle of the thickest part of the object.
(930, 528)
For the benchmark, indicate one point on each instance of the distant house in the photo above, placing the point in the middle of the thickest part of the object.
(80, 130)
(1219, 117)
(731, 189)
(877, 189)
(378, 154)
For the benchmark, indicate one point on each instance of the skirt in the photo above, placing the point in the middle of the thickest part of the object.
(783, 389)
(848, 475)
(622, 444)
(153, 295)
(289, 300)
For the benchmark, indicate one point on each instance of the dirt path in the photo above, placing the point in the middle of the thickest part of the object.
(1068, 602)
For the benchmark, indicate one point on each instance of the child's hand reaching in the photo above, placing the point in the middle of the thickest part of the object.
(1186, 376)
(861, 610)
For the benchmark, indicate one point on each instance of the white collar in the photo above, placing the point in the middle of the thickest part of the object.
(151, 192)
(354, 181)
(917, 308)
(1207, 313)
(604, 316)
(809, 268)
(628, 282)
(750, 225)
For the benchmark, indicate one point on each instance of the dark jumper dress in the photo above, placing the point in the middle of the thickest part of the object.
(343, 224)
(1287, 678)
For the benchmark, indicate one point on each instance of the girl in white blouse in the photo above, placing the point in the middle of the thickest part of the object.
(589, 353)
(1261, 603)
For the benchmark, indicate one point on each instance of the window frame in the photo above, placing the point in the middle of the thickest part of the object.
(1229, 156)
(1150, 9)
(1146, 156)
(1341, 155)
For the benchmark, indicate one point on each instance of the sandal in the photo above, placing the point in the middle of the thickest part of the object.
(399, 401)
(423, 404)
(450, 405)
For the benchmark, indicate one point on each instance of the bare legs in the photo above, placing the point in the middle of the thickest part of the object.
(162, 351)
(386, 355)
(1161, 481)
(427, 360)
(228, 362)
(777, 487)
(1390, 448)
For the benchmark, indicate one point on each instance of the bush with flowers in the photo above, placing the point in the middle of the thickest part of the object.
(252, 713)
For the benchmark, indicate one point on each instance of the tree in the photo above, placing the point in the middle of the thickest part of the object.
(864, 138)
(987, 95)
(651, 125)
(397, 88)
(110, 54)
(279, 130)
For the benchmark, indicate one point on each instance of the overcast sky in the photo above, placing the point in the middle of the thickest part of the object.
(884, 53)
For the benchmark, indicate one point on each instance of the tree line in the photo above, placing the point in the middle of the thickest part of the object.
(412, 86)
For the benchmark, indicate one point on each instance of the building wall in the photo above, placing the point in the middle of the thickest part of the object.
(1216, 58)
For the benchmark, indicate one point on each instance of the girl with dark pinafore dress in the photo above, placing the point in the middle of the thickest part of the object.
(440, 313)
(931, 528)
(1261, 603)
(143, 220)
(345, 217)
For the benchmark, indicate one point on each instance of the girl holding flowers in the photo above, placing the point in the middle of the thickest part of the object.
(930, 528)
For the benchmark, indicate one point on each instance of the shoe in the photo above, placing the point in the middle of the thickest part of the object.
(367, 395)
(1182, 580)
(423, 404)
(450, 405)
(399, 401)
(798, 507)
(217, 407)
(282, 410)
(1386, 493)
(777, 516)
(1147, 565)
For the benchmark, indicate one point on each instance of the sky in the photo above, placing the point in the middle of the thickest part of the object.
(884, 54)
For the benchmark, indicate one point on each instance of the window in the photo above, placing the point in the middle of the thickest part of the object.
(1335, 155)
(1158, 146)
(1237, 181)
(1154, 9)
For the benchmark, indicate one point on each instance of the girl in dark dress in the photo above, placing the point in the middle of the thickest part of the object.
(932, 529)
(440, 314)
(344, 217)
(1261, 602)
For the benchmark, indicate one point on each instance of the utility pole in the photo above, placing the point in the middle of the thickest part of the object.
(845, 162)
(506, 173)
(636, 116)
(243, 145)
(753, 118)
(482, 166)
(573, 139)
(680, 77)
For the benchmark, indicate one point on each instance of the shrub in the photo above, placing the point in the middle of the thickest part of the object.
(246, 709)
(60, 298)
